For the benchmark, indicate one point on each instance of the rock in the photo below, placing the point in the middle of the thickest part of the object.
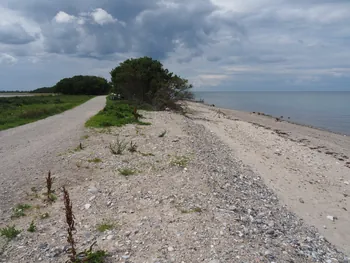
(93, 190)
(346, 182)
(214, 261)
(87, 206)
(332, 218)
(92, 197)
(110, 237)
(170, 249)
(301, 200)
(125, 256)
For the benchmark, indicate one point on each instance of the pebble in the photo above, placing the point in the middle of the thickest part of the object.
(92, 198)
(170, 249)
(93, 190)
(87, 206)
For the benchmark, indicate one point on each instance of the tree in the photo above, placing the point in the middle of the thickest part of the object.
(146, 81)
(83, 85)
(44, 90)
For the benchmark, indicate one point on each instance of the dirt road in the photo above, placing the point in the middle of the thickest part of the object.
(28, 152)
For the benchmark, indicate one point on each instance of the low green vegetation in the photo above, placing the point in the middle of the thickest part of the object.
(10, 232)
(104, 227)
(95, 160)
(181, 161)
(127, 171)
(16, 111)
(115, 113)
(32, 227)
(193, 210)
(19, 210)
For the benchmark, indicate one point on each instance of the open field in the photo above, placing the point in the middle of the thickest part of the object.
(16, 111)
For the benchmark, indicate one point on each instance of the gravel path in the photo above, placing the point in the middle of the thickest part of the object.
(29, 151)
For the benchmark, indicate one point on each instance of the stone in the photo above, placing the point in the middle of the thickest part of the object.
(87, 206)
(170, 249)
(93, 190)
(92, 197)
(110, 237)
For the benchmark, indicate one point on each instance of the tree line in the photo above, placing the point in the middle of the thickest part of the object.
(142, 80)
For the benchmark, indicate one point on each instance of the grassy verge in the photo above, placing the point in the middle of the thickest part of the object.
(16, 111)
(116, 113)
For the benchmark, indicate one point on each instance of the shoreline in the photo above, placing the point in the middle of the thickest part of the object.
(309, 169)
(272, 116)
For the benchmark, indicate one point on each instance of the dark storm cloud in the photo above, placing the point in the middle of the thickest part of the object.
(14, 34)
(152, 28)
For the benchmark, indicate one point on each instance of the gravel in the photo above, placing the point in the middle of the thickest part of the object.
(215, 210)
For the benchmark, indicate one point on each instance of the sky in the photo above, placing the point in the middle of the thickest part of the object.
(216, 44)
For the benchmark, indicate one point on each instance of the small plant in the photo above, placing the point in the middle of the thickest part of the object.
(104, 227)
(10, 232)
(70, 222)
(119, 147)
(49, 182)
(87, 255)
(44, 215)
(133, 147)
(181, 161)
(85, 137)
(146, 154)
(32, 227)
(95, 160)
(19, 210)
(137, 116)
(193, 210)
(162, 134)
(127, 172)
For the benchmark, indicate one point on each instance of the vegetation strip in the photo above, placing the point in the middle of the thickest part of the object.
(16, 111)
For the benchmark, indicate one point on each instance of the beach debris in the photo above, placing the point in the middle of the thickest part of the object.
(332, 218)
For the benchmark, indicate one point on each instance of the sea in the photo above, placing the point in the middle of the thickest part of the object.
(325, 110)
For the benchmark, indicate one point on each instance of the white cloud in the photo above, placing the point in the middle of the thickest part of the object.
(7, 59)
(63, 17)
(102, 17)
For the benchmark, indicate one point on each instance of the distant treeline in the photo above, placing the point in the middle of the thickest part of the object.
(78, 85)
(13, 91)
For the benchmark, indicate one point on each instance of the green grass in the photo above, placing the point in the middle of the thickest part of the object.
(19, 210)
(16, 111)
(115, 113)
(104, 227)
(95, 160)
(32, 227)
(181, 161)
(10, 232)
(127, 171)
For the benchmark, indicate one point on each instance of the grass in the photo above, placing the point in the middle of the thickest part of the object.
(95, 160)
(16, 111)
(119, 147)
(104, 227)
(19, 210)
(115, 113)
(32, 227)
(193, 210)
(10, 232)
(181, 161)
(127, 171)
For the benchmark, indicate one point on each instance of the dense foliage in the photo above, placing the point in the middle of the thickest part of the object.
(15, 111)
(44, 90)
(83, 85)
(146, 81)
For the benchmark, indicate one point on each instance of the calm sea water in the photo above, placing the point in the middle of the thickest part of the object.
(326, 110)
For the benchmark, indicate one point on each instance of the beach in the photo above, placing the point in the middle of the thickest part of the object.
(210, 185)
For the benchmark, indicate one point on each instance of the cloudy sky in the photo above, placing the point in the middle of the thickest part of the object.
(217, 44)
